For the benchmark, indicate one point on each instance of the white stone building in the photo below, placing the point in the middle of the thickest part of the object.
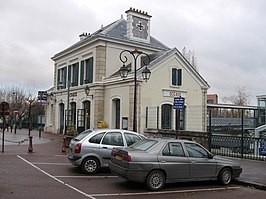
(94, 63)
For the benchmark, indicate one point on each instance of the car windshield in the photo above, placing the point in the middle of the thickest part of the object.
(143, 145)
(82, 135)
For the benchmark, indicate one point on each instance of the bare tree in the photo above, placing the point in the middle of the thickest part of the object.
(18, 100)
(241, 98)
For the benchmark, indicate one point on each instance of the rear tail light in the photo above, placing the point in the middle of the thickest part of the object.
(122, 155)
(77, 148)
(127, 158)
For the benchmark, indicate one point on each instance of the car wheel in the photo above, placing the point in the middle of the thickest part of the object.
(90, 165)
(225, 176)
(155, 180)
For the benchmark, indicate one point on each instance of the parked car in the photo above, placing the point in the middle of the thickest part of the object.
(92, 149)
(156, 162)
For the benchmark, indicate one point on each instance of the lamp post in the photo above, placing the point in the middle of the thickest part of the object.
(15, 93)
(61, 85)
(30, 100)
(124, 70)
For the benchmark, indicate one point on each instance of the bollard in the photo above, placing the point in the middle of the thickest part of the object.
(40, 132)
(30, 149)
(64, 145)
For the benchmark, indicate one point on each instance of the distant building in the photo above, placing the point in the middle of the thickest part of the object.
(89, 89)
(212, 99)
(262, 109)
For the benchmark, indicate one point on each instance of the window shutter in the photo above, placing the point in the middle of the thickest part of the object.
(69, 75)
(81, 72)
(174, 75)
(179, 75)
(90, 70)
(76, 77)
(58, 78)
(64, 76)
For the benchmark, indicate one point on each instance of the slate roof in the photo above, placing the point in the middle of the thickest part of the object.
(117, 31)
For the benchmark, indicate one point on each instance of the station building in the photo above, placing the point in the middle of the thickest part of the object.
(89, 92)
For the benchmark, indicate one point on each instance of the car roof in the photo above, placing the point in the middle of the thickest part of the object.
(111, 129)
(172, 140)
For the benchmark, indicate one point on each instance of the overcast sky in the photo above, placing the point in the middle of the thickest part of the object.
(228, 37)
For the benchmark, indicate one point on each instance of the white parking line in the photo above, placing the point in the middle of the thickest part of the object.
(92, 196)
(51, 176)
(48, 163)
(89, 177)
(163, 192)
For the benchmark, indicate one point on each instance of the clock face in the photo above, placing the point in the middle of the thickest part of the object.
(140, 27)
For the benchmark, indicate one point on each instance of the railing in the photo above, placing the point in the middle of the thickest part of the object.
(238, 146)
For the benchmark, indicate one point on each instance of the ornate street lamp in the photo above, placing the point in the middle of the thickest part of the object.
(30, 100)
(146, 73)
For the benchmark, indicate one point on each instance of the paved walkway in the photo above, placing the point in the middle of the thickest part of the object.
(254, 172)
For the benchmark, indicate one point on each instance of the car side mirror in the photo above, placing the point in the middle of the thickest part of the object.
(210, 156)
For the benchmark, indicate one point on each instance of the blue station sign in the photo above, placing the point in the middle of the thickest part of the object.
(179, 102)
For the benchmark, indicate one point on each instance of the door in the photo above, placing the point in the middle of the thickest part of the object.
(201, 166)
(113, 139)
(166, 116)
(61, 118)
(116, 113)
(173, 161)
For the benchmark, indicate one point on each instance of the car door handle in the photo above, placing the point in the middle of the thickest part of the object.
(104, 147)
(163, 161)
(193, 162)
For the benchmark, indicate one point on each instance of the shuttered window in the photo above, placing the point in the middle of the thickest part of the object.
(89, 70)
(176, 77)
(61, 77)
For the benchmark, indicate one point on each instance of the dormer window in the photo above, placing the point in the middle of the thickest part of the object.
(176, 77)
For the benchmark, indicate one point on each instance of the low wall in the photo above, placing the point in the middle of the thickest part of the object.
(200, 137)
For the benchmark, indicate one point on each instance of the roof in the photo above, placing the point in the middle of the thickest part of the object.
(116, 30)
(158, 57)
(231, 106)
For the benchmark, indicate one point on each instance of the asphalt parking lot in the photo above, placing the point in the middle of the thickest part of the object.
(47, 176)
(46, 173)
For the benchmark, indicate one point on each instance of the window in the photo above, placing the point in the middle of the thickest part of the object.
(196, 151)
(166, 116)
(131, 138)
(144, 145)
(73, 74)
(113, 138)
(173, 149)
(86, 71)
(176, 77)
(97, 138)
(61, 76)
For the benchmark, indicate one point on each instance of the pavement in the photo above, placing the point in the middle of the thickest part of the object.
(253, 174)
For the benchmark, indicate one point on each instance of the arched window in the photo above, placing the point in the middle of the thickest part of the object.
(116, 113)
(72, 114)
(61, 118)
(166, 116)
(87, 114)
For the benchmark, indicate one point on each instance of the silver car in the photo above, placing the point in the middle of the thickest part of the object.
(92, 149)
(157, 162)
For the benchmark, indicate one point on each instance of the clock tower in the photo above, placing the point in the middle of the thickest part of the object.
(138, 25)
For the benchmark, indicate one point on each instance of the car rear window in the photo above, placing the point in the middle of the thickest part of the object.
(82, 135)
(131, 138)
(143, 145)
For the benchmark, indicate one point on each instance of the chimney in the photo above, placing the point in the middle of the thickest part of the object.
(83, 36)
(138, 25)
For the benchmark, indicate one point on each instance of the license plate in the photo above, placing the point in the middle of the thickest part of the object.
(118, 157)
